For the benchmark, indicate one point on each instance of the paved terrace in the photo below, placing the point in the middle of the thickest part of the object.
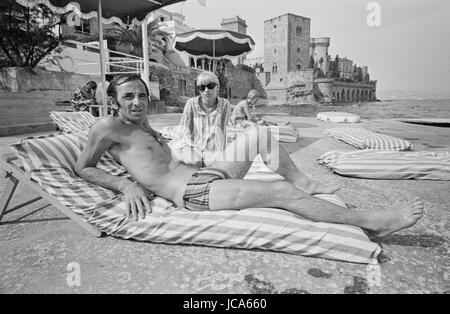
(37, 243)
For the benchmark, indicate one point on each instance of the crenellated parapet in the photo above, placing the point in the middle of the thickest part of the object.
(320, 42)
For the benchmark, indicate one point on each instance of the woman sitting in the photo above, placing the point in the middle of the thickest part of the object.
(241, 116)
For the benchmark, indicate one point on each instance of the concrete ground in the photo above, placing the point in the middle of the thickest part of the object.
(41, 250)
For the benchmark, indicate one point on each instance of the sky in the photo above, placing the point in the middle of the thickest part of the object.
(410, 50)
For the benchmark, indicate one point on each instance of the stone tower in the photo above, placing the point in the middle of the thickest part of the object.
(318, 50)
(286, 44)
(365, 73)
(235, 24)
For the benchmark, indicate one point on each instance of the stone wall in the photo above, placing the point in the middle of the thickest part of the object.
(27, 96)
(326, 88)
(298, 42)
(286, 43)
(275, 42)
(291, 88)
(240, 82)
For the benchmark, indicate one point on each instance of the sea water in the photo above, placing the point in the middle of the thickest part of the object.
(395, 109)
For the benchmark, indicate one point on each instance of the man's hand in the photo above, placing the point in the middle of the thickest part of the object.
(137, 200)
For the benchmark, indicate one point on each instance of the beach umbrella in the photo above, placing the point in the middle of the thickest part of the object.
(214, 43)
(122, 12)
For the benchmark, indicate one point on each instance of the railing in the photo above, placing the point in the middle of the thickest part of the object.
(125, 63)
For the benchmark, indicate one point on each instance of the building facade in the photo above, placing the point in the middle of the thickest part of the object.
(235, 24)
(345, 67)
(298, 69)
(318, 51)
(286, 44)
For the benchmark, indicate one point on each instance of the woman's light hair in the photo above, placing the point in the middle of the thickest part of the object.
(207, 77)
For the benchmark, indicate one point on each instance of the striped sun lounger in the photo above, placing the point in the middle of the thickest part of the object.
(377, 164)
(49, 161)
(282, 133)
(72, 121)
(365, 139)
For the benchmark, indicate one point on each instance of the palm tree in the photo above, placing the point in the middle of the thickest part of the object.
(119, 35)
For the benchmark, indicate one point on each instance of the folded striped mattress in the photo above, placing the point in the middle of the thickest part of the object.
(73, 121)
(388, 165)
(50, 162)
(365, 139)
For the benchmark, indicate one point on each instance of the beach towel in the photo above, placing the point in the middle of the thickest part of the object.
(378, 164)
(50, 161)
(365, 139)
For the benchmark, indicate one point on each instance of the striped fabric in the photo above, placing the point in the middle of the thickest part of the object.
(364, 139)
(73, 121)
(283, 133)
(50, 162)
(378, 164)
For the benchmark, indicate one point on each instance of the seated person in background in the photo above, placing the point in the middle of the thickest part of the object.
(84, 97)
(147, 158)
(203, 125)
(241, 116)
(100, 89)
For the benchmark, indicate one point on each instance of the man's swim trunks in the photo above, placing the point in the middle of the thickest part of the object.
(196, 196)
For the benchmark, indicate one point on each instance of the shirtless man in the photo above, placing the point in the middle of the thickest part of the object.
(145, 155)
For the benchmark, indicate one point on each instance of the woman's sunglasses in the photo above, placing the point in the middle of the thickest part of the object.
(210, 86)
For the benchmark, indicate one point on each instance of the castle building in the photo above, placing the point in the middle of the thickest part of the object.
(318, 51)
(297, 67)
(235, 24)
(286, 44)
(238, 25)
(345, 67)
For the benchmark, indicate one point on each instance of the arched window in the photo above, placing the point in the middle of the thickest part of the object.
(299, 31)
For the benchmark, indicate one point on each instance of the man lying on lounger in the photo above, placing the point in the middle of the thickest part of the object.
(145, 155)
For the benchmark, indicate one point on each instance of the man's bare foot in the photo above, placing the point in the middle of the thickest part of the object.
(383, 223)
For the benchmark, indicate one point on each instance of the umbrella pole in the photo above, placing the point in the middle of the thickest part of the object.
(214, 56)
(103, 112)
(146, 71)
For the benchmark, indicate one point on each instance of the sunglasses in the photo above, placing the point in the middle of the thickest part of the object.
(210, 86)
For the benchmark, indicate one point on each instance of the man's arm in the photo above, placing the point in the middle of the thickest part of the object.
(101, 137)
(186, 125)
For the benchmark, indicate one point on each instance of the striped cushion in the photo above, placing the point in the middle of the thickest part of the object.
(256, 228)
(377, 164)
(50, 161)
(364, 139)
(73, 121)
(283, 133)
